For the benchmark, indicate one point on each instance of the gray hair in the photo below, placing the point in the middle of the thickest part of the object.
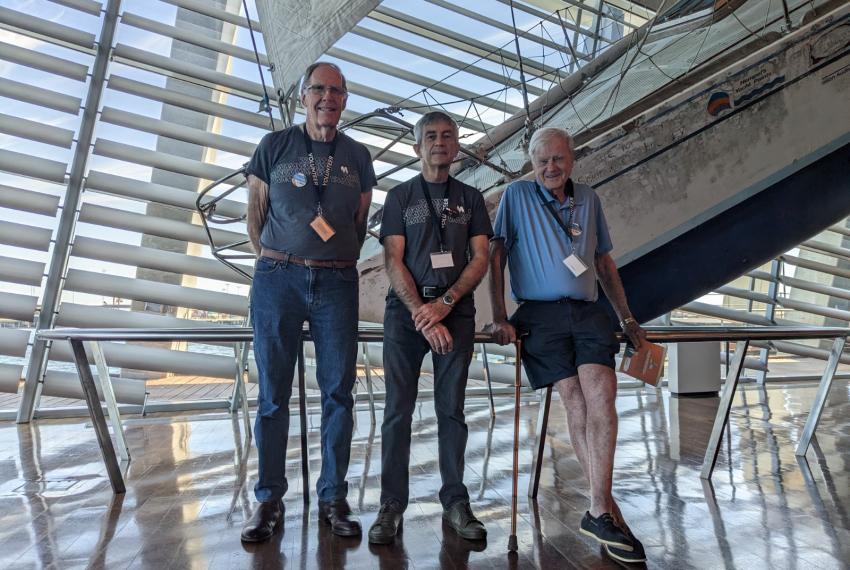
(429, 119)
(313, 67)
(544, 135)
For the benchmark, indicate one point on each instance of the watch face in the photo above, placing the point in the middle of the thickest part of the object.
(448, 300)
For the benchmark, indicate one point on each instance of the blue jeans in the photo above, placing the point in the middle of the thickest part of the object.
(283, 297)
(404, 349)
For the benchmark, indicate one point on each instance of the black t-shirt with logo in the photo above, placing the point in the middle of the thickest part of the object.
(280, 161)
(406, 213)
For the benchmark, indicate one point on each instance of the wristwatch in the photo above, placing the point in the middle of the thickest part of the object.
(448, 300)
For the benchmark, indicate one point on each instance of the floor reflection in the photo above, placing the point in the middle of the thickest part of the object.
(190, 481)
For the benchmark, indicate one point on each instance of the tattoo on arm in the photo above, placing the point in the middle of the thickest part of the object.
(498, 259)
(400, 277)
(258, 207)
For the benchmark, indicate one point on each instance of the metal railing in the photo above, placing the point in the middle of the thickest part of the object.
(741, 335)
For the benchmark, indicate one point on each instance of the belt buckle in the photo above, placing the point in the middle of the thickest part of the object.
(429, 292)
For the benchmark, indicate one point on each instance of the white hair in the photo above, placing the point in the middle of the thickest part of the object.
(544, 135)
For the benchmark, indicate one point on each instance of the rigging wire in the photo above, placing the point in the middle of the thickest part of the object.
(521, 70)
(264, 104)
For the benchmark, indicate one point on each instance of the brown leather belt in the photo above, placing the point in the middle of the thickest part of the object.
(289, 258)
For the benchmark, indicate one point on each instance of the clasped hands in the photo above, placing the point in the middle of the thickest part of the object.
(427, 319)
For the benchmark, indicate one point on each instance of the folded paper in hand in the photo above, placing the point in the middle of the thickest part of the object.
(645, 364)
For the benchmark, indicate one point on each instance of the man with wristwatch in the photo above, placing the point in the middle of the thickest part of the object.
(435, 232)
(553, 235)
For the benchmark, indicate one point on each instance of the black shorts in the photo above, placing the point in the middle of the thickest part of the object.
(560, 336)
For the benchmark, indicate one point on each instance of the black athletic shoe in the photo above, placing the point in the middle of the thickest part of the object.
(636, 556)
(603, 529)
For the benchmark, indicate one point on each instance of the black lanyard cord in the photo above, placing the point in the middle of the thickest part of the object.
(314, 173)
(440, 220)
(551, 209)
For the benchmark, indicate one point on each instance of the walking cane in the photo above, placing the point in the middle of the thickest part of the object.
(512, 540)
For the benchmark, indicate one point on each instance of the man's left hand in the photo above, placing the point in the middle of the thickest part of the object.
(635, 333)
(429, 314)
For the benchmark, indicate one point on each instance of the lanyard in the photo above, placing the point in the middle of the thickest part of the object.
(314, 173)
(434, 217)
(551, 209)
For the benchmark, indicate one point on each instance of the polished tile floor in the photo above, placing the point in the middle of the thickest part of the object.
(189, 490)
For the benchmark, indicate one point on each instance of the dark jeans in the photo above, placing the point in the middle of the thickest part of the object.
(283, 297)
(404, 349)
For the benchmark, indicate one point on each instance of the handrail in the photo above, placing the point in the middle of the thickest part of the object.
(743, 335)
(665, 334)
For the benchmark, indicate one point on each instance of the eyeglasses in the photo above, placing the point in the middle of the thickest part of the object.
(321, 89)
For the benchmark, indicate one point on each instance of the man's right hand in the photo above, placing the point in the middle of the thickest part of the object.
(503, 332)
(440, 339)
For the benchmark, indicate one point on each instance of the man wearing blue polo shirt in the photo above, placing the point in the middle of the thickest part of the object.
(552, 234)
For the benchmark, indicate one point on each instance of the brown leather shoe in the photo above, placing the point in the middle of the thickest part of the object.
(338, 515)
(267, 518)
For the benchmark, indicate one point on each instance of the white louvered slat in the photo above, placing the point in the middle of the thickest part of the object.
(152, 192)
(32, 166)
(153, 292)
(39, 96)
(27, 237)
(155, 259)
(28, 201)
(36, 131)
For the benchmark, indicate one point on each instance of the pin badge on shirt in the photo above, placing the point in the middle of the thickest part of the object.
(575, 229)
(299, 179)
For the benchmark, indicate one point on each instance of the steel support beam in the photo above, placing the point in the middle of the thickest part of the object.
(453, 39)
(820, 399)
(721, 420)
(73, 198)
(478, 17)
(440, 58)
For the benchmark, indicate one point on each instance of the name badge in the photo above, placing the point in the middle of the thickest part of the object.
(321, 226)
(442, 260)
(575, 264)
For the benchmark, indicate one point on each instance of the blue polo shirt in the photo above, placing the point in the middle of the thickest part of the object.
(536, 243)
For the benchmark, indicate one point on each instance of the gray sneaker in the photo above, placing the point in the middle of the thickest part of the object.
(459, 516)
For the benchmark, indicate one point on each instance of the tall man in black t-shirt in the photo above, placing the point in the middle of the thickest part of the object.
(310, 191)
(435, 232)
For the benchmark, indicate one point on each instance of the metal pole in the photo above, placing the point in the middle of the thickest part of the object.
(97, 419)
(73, 197)
(109, 398)
(542, 425)
(367, 366)
(722, 417)
(512, 540)
(823, 391)
(302, 412)
(486, 365)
